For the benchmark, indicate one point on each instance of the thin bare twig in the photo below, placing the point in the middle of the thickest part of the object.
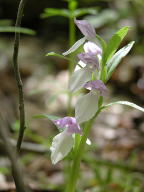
(28, 147)
(18, 76)
(11, 152)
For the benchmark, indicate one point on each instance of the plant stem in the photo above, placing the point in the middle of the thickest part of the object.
(71, 42)
(70, 110)
(71, 57)
(78, 156)
(15, 164)
(18, 76)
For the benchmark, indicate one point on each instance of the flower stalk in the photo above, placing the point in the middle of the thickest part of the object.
(74, 173)
(72, 36)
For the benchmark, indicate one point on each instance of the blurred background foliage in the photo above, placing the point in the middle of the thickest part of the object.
(114, 161)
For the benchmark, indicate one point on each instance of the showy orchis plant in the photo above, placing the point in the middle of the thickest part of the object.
(70, 13)
(96, 65)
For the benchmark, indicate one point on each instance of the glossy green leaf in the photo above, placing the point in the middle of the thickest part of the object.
(104, 74)
(75, 46)
(50, 117)
(10, 29)
(116, 59)
(57, 55)
(124, 103)
(54, 97)
(72, 5)
(102, 42)
(114, 43)
(103, 17)
(84, 11)
(50, 12)
(5, 22)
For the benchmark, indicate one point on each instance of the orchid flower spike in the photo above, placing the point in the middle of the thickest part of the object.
(64, 141)
(89, 62)
(87, 105)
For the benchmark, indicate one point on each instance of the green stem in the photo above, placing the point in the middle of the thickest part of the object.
(70, 110)
(71, 62)
(78, 156)
(71, 31)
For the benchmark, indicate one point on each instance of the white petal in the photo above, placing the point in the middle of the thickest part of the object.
(92, 47)
(82, 64)
(79, 78)
(61, 146)
(86, 107)
(75, 46)
(88, 141)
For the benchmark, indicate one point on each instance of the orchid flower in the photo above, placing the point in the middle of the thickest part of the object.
(64, 141)
(89, 63)
(97, 85)
(68, 123)
(87, 105)
(91, 55)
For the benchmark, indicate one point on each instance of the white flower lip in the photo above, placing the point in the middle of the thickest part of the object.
(90, 47)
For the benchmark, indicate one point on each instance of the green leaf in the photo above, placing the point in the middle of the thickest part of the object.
(54, 97)
(116, 59)
(104, 74)
(84, 11)
(57, 55)
(124, 103)
(72, 5)
(10, 29)
(102, 42)
(103, 17)
(50, 12)
(114, 43)
(75, 46)
(16, 126)
(5, 22)
(50, 117)
(4, 170)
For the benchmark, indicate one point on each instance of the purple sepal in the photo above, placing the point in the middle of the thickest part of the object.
(97, 85)
(90, 59)
(69, 123)
(86, 28)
